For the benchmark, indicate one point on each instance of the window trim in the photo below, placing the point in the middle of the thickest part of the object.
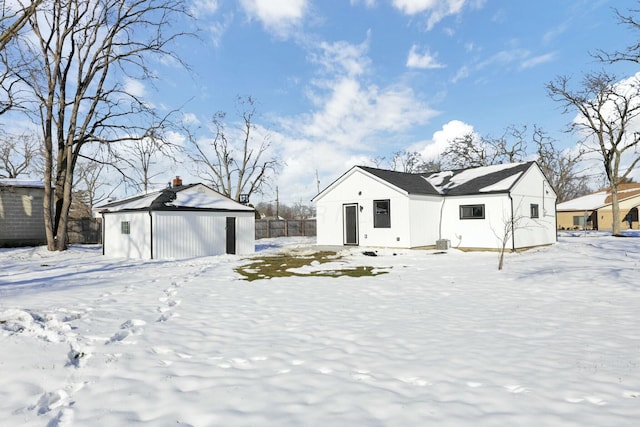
(463, 207)
(125, 227)
(535, 210)
(382, 220)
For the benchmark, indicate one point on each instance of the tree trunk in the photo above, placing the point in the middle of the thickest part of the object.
(615, 210)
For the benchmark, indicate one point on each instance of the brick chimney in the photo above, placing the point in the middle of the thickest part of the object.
(177, 181)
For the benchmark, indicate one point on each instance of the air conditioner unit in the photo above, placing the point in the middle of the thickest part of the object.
(443, 244)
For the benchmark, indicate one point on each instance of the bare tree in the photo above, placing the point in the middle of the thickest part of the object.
(606, 108)
(466, 151)
(141, 158)
(472, 150)
(632, 52)
(561, 167)
(15, 18)
(18, 154)
(233, 162)
(92, 184)
(82, 51)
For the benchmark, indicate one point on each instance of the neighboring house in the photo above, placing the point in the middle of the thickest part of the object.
(182, 221)
(470, 208)
(21, 213)
(594, 211)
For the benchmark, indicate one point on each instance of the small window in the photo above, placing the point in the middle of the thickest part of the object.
(472, 212)
(578, 221)
(381, 214)
(125, 227)
(534, 211)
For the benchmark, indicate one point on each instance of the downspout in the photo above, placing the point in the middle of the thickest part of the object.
(513, 228)
(440, 219)
(103, 234)
(151, 233)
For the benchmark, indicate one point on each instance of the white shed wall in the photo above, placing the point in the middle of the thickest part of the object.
(192, 234)
(133, 245)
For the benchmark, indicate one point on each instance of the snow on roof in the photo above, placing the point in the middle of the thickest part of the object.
(598, 199)
(196, 196)
(503, 185)
(447, 181)
(15, 182)
(584, 203)
(204, 198)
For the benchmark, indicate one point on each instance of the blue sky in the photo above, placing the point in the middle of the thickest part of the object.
(340, 82)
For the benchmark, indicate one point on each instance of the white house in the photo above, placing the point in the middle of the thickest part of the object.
(183, 221)
(470, 208)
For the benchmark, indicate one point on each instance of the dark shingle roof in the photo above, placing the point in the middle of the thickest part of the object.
(412, 183)
(453, 183)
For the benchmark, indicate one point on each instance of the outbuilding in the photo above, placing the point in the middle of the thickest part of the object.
(474, 208)
(180, 221)
(21, 212)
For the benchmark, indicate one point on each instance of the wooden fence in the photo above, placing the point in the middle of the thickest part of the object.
(89, 230)
(285, 228)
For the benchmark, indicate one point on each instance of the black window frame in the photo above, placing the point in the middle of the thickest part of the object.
(474, 214)
(125, 227)
(535, 210)
(381, 219)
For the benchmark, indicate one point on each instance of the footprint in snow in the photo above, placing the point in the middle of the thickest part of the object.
(516, 389)
(64, 418)
(128, 328)
(50, 401)
(415, 381)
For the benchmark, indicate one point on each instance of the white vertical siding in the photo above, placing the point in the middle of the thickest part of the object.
(245, 233)
(133, 245)
(191, 234)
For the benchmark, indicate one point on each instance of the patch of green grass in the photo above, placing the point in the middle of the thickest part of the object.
(268, 267)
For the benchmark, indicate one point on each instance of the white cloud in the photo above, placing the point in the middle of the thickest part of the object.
(134, 88)
(461, 74)
(200, 8)
(435, 9)
(433, 148)
(367, 3)
(277, 16)
(353, 120)
(537, 60)
(424, 60)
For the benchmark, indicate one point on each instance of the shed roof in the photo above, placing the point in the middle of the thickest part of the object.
(460, 182)
(15, 182)
(184, 197)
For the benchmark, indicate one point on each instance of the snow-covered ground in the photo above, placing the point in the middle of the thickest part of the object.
(441, 340)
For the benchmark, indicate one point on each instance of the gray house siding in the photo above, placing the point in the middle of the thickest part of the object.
(21, 215)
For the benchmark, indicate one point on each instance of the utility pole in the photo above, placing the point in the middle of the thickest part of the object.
(277, 204)
(317, 182)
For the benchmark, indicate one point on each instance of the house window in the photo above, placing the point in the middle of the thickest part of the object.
(471, 211)
(381, 214)
(125, 227)
(534, 210)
